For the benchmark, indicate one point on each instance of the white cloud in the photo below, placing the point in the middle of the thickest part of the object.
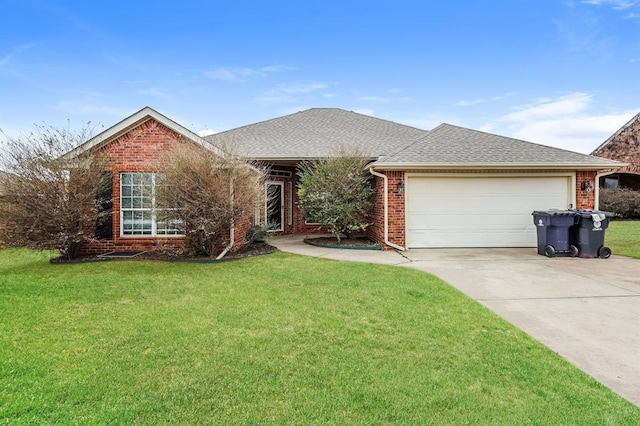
(383, 99)
(616, 4)
(90, 108)
(239, 74)
(155, 92)
(8, 57)
(564, 122)
(365, 111)
(485, 100)
(206, 132)
(287, 92)
(548, 107)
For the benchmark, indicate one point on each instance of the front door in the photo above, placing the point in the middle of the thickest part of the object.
(274, 207)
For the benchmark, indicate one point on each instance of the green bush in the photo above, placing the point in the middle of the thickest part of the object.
(335, 191)
(625, 203)
(260, 233)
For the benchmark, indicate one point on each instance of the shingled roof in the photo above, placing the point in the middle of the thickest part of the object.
(451, 146)
(314, 132)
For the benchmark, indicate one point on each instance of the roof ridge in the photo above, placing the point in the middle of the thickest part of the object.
(212, 136)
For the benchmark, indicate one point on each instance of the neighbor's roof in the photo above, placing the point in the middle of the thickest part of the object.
(131, 122)
(453, 146)
(314, 132)
(615, 135)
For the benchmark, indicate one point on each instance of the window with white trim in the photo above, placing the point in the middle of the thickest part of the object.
(139, 211)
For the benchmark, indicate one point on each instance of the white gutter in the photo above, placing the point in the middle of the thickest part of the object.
(496, 166)
(232, 237)
(386, 209)
(596, 196)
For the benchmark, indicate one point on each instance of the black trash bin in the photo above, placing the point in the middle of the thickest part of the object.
(553, 232)
(588, 233)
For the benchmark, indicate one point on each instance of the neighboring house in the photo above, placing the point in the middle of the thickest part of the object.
(624, 146)
(449, 187)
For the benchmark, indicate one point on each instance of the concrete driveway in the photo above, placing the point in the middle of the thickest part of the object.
(586, 310)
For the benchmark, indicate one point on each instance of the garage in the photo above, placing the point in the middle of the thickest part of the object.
(479, 210)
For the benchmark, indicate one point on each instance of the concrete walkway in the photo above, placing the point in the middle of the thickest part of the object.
(586, 310)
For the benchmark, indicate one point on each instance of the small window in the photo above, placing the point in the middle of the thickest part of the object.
(280, 173)
(611, 183)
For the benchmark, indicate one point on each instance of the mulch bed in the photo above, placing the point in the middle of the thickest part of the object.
(359, 243)
(248, 250)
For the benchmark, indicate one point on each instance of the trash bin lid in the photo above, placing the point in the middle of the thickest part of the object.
(591, 213)
(554, 212)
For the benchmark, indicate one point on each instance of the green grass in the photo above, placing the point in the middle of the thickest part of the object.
(277, 339)
(623, 237)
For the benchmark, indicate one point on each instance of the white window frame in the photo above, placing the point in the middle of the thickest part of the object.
(152, 211)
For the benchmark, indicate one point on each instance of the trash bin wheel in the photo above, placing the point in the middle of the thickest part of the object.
(573, 250)
(604, 252)
(549, 251)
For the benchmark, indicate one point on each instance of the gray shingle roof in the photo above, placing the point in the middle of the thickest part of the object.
(314, 132)
(453, 145)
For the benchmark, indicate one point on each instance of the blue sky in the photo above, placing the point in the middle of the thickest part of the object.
(560, 73)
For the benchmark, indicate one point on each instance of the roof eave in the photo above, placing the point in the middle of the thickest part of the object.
(134, 120)
(495, 166)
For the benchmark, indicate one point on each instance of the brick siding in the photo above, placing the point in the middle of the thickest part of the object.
(136, 151)
(396, 210)
(625, 147)
(585, 199)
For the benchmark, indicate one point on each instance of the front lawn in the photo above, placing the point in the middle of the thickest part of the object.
(623, 237)
(275, 339)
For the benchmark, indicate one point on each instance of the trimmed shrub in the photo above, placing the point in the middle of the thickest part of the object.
(625, 203)
(335, 191)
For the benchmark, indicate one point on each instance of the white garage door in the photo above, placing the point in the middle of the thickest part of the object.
(479, 211)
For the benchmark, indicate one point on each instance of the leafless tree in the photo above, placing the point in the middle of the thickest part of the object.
(208, 192)
(48, 201)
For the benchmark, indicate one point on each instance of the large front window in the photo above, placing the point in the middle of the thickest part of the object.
(139, 210)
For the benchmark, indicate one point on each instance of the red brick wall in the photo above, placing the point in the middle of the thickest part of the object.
(375, 231)
(584, 199)
(625, 147)
(135, 151)
(396, 210)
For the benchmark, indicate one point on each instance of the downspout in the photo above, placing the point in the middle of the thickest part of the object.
(232, 237)
(386, 209)
(596, 196)
(232, 233)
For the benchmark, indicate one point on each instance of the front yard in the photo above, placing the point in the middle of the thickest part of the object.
(623, 237)
(276, 339)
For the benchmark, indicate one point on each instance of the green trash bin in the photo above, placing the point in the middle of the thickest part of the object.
(588, 233)
(552, 228)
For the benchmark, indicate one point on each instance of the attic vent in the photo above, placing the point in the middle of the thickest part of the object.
(281, 173)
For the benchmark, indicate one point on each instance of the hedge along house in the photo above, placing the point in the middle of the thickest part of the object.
(623, 145)
(449, 187)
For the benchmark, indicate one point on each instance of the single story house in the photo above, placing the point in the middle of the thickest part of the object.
(448, 187)
(623, 145)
